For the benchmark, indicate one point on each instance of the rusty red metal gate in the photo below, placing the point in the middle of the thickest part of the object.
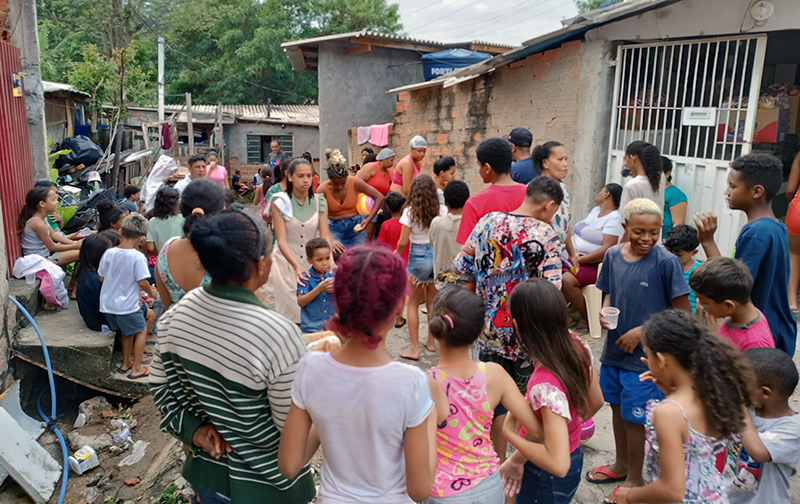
(16, 165)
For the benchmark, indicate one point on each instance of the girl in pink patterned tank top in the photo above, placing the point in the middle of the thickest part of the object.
(467, 465)
(563, 392)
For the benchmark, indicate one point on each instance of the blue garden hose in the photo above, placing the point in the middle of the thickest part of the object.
(51, 420)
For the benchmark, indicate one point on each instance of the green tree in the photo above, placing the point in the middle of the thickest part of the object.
(103, 78)
(587, 5)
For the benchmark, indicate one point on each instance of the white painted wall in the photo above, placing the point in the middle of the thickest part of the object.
(695, 18)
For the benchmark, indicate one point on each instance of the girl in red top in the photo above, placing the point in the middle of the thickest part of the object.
(563, 391)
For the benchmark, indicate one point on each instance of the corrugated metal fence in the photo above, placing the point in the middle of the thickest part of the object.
(16, 165)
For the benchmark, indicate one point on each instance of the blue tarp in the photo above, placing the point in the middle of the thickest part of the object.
(443, 62)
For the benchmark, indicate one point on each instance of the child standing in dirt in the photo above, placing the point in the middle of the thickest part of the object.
(123, 271)
(468, 473)
(372, 416)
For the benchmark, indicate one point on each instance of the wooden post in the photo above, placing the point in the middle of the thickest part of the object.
(189, 123)
(70, 125)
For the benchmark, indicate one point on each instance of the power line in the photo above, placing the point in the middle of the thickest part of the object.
(528, 20)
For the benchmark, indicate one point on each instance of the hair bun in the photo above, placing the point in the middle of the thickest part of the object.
(328, 153)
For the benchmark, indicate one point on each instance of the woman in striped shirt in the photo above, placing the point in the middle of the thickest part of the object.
(223, 370)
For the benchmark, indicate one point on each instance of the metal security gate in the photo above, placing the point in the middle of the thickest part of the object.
(696, 100)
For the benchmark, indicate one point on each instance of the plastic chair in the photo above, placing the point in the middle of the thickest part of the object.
(594, 303)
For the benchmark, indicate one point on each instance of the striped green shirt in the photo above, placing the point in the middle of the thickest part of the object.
(223, 358)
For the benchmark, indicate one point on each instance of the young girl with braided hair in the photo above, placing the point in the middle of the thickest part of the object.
(707, 386)
(371, 415)
(467, 470)
(643, 161)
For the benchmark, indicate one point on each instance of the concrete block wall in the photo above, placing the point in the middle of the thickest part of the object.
(306, 138)
(544, 92)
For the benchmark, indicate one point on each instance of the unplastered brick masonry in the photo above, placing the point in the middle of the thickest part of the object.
(540, 93)
(5, 34)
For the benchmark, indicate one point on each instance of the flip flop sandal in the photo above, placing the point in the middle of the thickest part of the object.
(138, 377)
(122, 371)
(398, 326)
(613, 495)
(581, 331)
(611, 477)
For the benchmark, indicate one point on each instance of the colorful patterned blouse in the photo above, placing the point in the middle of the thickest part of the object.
(503, 250)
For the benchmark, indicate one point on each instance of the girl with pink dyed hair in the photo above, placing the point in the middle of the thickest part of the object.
(372, 416)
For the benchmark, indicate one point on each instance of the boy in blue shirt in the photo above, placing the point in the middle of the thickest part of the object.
(640, 279)
(314, 298)
(763, 243)
(682, 241)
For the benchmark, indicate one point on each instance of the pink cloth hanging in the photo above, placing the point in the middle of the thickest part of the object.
(363, 133)
(380, 135)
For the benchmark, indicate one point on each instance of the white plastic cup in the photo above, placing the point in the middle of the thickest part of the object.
(611, 315)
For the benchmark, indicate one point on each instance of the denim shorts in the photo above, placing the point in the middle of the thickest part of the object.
(541, 487)
(623, 387)
(488, 491)
(420, 262)
(342, 231)
(130, 324)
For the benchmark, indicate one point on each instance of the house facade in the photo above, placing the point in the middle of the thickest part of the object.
(355, 70)
(686, 75)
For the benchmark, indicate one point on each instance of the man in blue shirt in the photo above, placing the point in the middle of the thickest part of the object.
(522, 170)
(763, 243)
(314, 298)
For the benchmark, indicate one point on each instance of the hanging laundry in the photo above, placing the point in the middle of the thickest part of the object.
(380, 135)
(166, 138)
(363, 134)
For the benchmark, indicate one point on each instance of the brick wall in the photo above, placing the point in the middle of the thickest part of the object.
(5, 34)
(540, 93)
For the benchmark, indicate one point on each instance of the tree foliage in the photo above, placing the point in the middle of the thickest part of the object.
(224, 51)
(587, 5)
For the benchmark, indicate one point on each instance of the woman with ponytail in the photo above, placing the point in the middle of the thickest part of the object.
(223, 366)
(708, 388)
(643, 161)
(297, 216)
(178, 268)
(371, 415)
(474, 390)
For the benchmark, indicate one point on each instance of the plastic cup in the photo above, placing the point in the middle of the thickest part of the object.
(612, 316)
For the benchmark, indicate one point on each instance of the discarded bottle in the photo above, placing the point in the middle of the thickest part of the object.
(122, 436)
(84, 460)
(80, 421)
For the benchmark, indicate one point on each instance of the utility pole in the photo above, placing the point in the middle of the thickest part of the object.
(218, 134)
(160, 80)
(189, 123)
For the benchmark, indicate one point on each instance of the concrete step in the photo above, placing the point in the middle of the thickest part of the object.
(28, 295)
(76, 351)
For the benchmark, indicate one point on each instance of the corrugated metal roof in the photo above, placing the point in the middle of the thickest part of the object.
(573, 28)
(55, 87)
(295, 49)
(307, 115)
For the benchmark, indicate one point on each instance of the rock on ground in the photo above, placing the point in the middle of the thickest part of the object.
(100, 442)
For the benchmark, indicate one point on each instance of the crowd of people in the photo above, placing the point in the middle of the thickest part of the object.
(700, 412)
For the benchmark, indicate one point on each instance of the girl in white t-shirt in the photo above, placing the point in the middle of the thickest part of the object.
(422, 206)
(371, 415)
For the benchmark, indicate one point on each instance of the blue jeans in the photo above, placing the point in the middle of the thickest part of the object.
(207, 497)
(541, 487)
(342, 231)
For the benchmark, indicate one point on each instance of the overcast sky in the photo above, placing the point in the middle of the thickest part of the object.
(501, 21)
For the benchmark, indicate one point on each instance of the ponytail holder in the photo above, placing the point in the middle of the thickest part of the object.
(343, 318)
(367, 331)
(449, 320)
(198, 210)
